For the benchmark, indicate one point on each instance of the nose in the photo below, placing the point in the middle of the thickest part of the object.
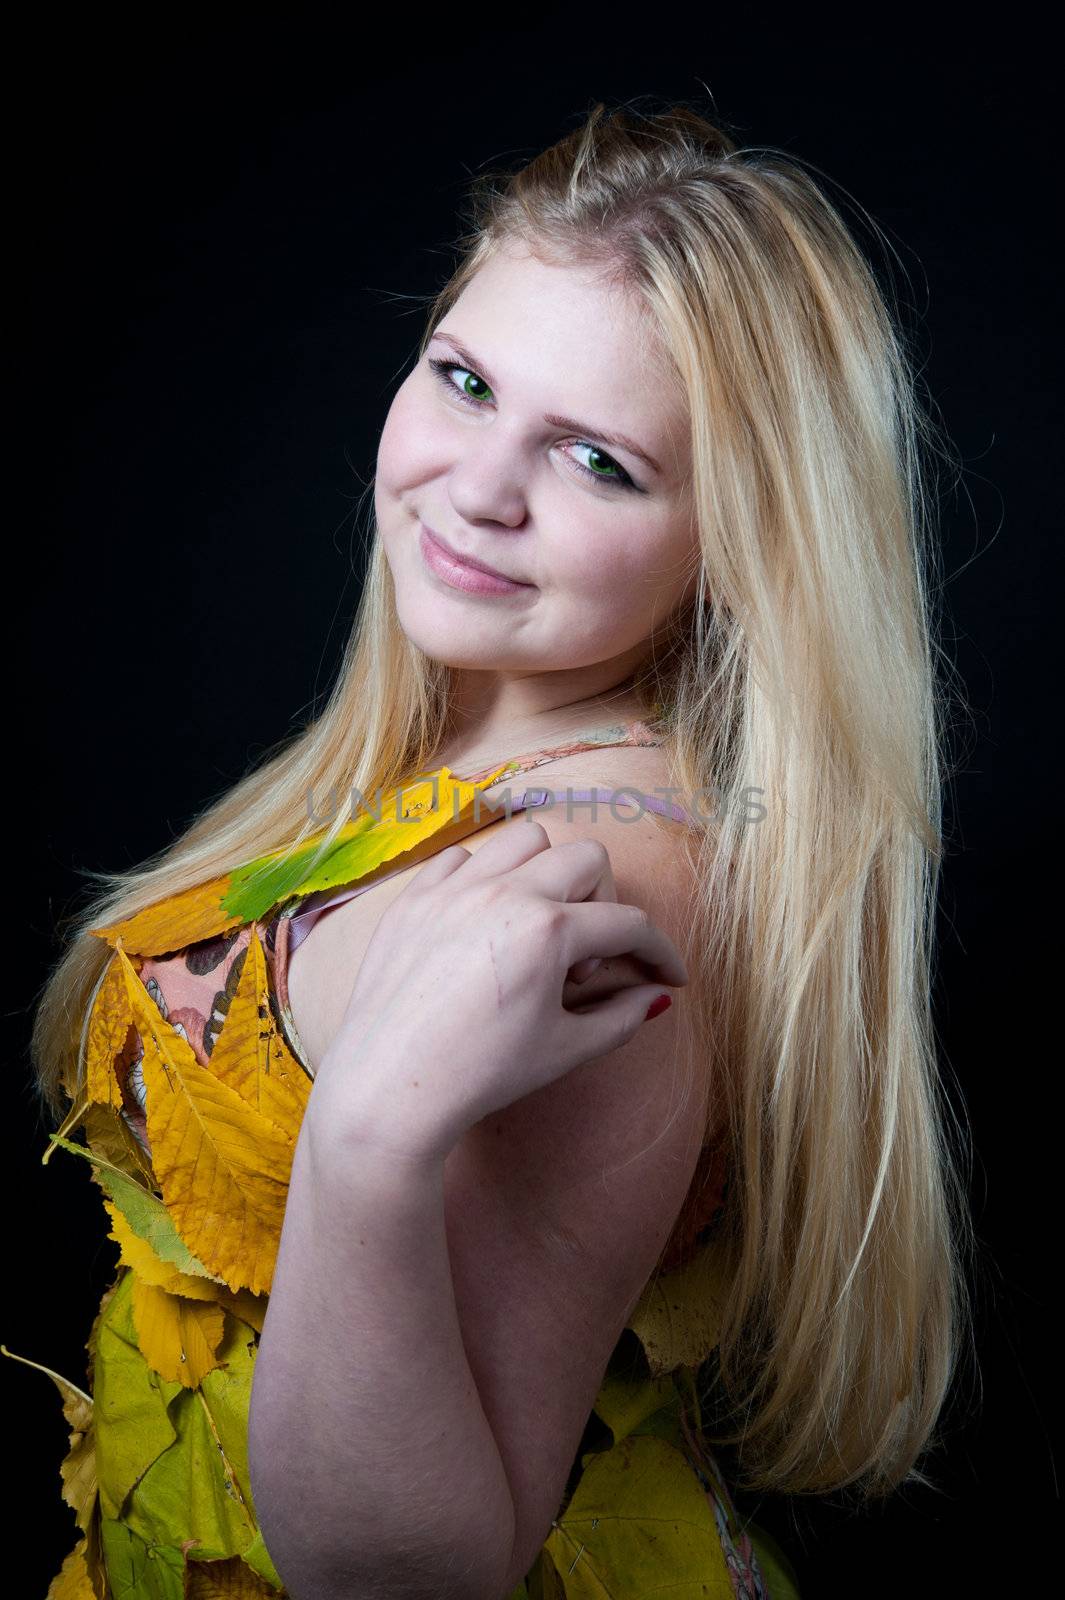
(488, 480)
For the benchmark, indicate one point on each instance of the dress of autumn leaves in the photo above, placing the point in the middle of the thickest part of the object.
(157, 1469)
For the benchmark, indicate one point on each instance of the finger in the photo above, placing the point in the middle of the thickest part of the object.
(504, 849)
(607, 1024)
(569, 872)
(575, 869)
(440, 866)
(581, 971)
(587, 876)
(604, 929)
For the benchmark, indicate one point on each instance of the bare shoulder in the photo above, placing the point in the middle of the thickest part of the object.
(651, 856)
(558, 1207)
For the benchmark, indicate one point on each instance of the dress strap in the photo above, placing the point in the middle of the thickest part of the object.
(603, 737)
(294, 921)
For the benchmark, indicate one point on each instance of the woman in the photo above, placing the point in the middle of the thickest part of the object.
(648, 516)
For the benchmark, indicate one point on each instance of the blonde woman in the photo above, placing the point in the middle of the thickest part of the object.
(625, 1154)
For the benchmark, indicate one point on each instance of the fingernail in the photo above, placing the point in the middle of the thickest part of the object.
(656, 1008)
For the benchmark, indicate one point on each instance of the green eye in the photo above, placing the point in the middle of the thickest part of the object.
(443, 370)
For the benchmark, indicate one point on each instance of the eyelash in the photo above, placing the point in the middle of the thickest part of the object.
(443, 368)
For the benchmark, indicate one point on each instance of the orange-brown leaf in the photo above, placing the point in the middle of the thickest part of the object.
(111, 1138)
(230, 1579)
(76, 1115)
(246, 1307)
(78, 1467)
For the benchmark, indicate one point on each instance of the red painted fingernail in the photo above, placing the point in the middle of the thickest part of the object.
(656, 1008)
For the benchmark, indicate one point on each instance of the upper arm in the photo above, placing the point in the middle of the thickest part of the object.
(558, 1208)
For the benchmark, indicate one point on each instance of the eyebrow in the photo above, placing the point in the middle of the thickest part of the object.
(569, 423)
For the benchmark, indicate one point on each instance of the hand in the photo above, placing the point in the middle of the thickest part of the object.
(458, 1006)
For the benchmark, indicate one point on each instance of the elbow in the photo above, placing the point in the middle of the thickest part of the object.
(463, 1552)
(312, 1566)
(310, 1573)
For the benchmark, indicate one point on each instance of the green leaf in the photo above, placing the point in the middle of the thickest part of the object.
(146, 1214)
(257, 1557)
(777, 1570)
(625, 1405)
(137, 1572)
(258, 886)
(130, 1403)
(638, 1523)
(198, 1488)
(173, 1461)
(413, 813)
(542, 1582)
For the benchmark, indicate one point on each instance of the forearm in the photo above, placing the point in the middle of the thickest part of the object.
(375, 1472)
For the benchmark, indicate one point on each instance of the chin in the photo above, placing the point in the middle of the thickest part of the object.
(453, 640)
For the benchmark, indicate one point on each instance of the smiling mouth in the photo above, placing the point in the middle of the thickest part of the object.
(461, 560)
(465, 572)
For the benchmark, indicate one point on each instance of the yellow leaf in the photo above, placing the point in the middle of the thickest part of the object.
(137, 1253)
(252, 1057)
(436, 814)
(78, 1470)
(223, 1168)
(177, 1337)
(230, 1579)
(175, 922)
(72, 1581)
(109, 1025)
(678, 1317)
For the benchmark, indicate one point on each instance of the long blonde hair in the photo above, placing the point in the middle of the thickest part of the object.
(806, 669)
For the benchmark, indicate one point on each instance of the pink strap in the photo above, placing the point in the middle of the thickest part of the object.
(303, 921)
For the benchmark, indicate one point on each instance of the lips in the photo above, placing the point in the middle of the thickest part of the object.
(467, 560)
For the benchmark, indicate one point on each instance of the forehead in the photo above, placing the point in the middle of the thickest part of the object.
(569, 335)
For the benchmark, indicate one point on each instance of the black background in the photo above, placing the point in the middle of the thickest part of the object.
(223, 242)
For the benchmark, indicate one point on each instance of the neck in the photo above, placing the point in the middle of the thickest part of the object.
(494, 727)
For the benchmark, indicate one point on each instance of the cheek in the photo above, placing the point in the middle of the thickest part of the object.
(626, 572)
(404, 451)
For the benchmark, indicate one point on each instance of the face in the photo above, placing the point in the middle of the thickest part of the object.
(480, 454)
